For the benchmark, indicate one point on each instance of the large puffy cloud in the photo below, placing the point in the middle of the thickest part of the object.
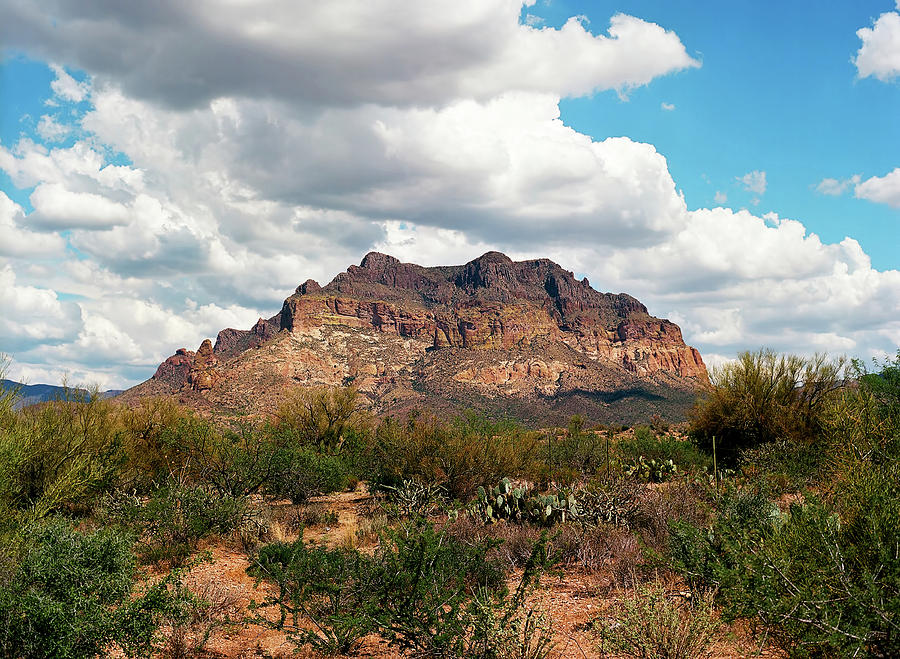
(879, 54)
(58, 208)
(33, 316)
(18, 241)
(380, 51)
(505, 167)
(882, 189)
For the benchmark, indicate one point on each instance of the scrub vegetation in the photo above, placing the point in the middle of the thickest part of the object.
(771, 516)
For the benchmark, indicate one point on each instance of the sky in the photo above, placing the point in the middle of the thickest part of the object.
(170, 169)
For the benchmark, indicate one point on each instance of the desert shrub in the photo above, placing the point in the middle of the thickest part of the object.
(762, 397)
(59, 455)
(826, 588)
(235, 460)
(322, 416)
(595, 548)
(784, 466)
(644, 434)
(459, 456)
(578, 453)
(649, 623)
(512, 544)
(330, 587)
(70, 596)
(303, 472)
(196, 615)
(714, 557)
(153, 432)
(438, 579)
(883, 385)
(174, 518)
(422, 591)
(316, 514)
(823, 580)
(659, 506)
(517, 632)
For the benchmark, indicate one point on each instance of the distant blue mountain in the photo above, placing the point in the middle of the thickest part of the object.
(29, 394)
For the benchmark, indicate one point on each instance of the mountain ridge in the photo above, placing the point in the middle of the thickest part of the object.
(489, 334)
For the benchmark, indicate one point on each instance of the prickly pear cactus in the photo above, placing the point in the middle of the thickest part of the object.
(654, 471)
(518, 504)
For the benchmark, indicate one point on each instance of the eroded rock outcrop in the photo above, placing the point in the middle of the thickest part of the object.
(403, 332)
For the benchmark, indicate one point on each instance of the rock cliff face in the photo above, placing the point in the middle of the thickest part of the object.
(525, 338)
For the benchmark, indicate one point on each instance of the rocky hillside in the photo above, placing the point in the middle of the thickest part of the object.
(525, 339)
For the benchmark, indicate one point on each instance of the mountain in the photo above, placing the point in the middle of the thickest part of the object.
(29, 394)
(523, 339)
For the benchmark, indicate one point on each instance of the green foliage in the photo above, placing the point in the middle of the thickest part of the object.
(174, 518)
(578, 453)
(762, 397)
(459, 457)
(58, 455)
(423, 583)
(784, 466)
(422, 591)
(154, 432)
(322, 416)
(329, 587)
(651, 624)
(70, 596)
(826, 588)
(714, 558)
(302, 473)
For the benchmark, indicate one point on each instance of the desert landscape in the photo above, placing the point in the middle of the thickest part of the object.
(481, 329)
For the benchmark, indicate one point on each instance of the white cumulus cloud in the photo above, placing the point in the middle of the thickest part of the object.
(879, 54)
(881, 189)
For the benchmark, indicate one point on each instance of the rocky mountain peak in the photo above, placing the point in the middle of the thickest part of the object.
(401, 332)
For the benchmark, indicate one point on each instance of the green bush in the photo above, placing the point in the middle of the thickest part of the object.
(763, 397)
(715, 558)
(330, 587)
(322, 417)
(59, 455)
(784, 466)
(174, 518)
(70, 596)
(303, 473)
(578, 453)
(423, 591)
(459, 456)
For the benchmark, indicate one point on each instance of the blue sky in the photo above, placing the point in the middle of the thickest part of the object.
(167, 171)
(777, 92)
